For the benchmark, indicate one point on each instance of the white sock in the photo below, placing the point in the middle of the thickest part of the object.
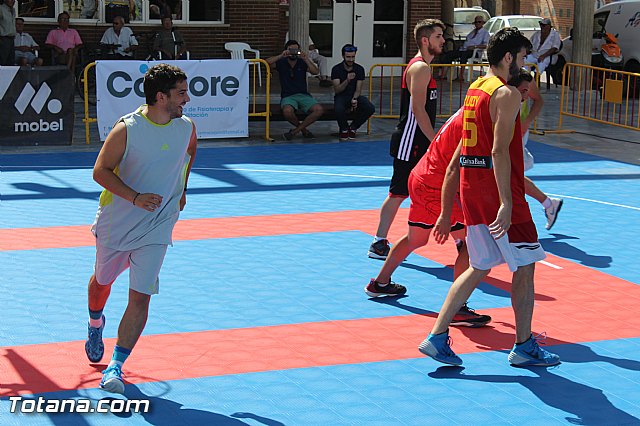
(115, 362)
(95, 323)
(376, 239)
(546, 203)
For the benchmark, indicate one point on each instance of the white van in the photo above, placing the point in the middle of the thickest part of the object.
(622, 19)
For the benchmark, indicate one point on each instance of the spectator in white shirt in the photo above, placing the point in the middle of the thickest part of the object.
(25, 46)
(476, 39)
(546, 43)
(120, 40)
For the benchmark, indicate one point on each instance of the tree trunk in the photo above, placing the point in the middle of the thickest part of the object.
(582, 32)
(446, 13)
(299, 22)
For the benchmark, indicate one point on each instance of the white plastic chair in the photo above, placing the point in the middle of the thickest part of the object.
(237, 48)
(479, 56)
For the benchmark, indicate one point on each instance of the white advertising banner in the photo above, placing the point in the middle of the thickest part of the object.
(218, 88)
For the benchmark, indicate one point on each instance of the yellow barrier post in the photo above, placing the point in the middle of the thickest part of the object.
(267, 112)
(87, 119)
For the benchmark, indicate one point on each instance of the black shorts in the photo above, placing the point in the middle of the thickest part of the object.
(400, 180)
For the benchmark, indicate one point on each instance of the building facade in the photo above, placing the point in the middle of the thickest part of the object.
(382, 30)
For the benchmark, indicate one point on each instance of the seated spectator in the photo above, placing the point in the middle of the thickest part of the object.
(119, 40)
(7, 31)
(25, 47)
(320, 61)
(89, 9)
(169, 43)
(476, 39)
(158, 9)
(65, 42)
(292, 66)
(348, 77)
(546, 43)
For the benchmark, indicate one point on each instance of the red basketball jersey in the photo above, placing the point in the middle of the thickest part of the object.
(433, 165)
(478, 188)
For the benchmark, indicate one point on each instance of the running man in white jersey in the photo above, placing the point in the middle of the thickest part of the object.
(144, 166)
(529, 90)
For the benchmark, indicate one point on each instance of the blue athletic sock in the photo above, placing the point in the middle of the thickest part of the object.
(95, 318)
(120, 355)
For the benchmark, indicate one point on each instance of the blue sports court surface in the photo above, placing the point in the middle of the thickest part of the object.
(262, 319)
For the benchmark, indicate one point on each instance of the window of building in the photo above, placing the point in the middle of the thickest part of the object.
(134, 11)
(36, 9)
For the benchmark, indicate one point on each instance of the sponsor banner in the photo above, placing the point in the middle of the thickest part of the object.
(218, 88)
(36, 106)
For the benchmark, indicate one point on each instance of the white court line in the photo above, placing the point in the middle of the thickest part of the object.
(549, 264)
(294, 172)
(596, 201)
(341, 175)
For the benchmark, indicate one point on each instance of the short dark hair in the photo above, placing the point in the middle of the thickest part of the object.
(425, 27)
(522, 76)
(64, 13)
(161, 78)
(507, 40)
(290, 43)
(20, 19)
(348, 46)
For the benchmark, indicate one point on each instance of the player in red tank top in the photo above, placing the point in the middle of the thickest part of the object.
(424, 186)
(499, 225)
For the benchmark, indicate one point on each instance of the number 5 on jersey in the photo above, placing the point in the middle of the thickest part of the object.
(469, 129)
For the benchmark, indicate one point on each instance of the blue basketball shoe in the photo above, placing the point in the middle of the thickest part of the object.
(112, 379)
(438, 347)
(529, 353)
(94, 347)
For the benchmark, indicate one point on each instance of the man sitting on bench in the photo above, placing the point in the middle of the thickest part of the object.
(292, 65)
(348, 77)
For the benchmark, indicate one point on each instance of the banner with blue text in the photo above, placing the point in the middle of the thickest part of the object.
(218, 88)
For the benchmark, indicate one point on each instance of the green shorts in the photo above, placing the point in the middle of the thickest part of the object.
(300, 101)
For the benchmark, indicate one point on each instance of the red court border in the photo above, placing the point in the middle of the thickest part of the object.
(573, 304)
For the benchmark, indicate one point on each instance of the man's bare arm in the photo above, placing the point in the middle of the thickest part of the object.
(536, 107)
(191, 150)
(108, 159)
(505, 108)
(418, 78)
(450, 186)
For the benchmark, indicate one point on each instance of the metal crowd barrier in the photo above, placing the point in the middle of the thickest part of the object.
(600, 95)
(385, 81)
(254, 96)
